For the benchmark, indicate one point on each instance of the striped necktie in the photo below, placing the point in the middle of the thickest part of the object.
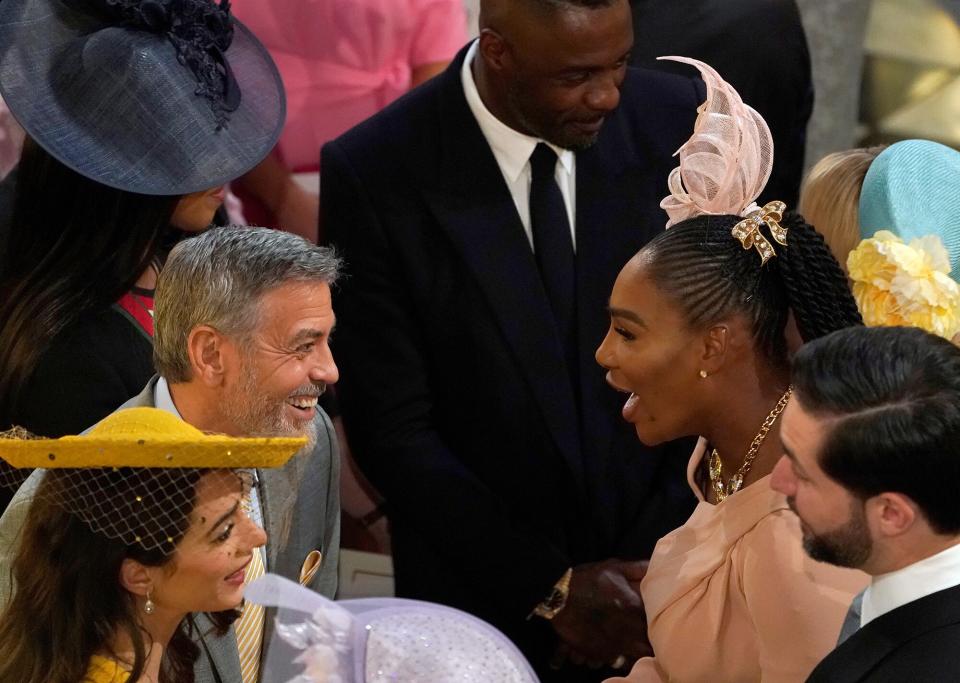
(249, 627)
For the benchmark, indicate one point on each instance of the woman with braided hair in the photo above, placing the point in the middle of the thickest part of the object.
(703, 322)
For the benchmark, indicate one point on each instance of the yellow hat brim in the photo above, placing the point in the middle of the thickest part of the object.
(213, 452)
(149, 437)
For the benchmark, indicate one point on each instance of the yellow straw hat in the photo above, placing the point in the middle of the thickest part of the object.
(134, 476)
(148, 437)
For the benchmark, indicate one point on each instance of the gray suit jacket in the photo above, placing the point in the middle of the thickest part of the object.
(301, 513)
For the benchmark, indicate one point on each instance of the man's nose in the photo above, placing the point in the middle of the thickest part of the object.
(325, 368)
(604, 95)
(782, 479)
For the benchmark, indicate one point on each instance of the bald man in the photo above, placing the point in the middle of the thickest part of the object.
(485, 217)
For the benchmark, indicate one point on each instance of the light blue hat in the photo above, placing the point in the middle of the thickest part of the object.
(913, 189)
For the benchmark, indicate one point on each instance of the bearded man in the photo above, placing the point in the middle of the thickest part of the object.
(242, 322)
(871, 466)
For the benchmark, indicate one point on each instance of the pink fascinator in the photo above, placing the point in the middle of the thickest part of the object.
(726, 163)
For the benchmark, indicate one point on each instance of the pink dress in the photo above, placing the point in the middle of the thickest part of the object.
(731, 597)
(344, 60)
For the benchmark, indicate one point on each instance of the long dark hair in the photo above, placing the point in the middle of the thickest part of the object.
(73, 245)
(68, 603)
(709, 275)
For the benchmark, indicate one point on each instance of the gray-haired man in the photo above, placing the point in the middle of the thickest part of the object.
(242, 322)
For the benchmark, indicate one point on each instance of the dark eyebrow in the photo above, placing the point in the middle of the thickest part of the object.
(793, 458)
(224, 518)
(627, 314)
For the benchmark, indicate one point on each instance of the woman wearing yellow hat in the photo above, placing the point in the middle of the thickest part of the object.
(136, 529)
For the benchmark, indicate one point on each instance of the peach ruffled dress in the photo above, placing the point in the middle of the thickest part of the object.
(731, 596)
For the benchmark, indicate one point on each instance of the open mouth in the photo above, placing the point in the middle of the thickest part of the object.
(630, 404)
(613, 383)
(238, 576)
(304, 405)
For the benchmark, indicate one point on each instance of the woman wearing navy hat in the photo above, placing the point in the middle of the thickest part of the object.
(137, 113)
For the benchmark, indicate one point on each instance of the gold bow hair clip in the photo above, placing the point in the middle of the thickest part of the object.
(748, 230)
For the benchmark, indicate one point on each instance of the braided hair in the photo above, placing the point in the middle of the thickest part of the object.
(710, 276)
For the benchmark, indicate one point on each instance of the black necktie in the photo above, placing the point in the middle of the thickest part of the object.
(553, 247)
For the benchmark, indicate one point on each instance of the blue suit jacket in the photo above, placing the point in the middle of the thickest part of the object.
(454, 389)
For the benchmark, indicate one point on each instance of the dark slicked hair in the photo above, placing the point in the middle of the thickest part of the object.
(894, 393)
(710, 276)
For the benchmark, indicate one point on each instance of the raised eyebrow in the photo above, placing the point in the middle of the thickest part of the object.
(625, 313)
(224, 518)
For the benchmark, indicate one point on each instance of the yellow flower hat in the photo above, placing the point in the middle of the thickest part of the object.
(896, 283)
(147, 437)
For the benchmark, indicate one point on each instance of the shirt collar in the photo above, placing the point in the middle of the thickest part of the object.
(511, 147)
(887, 592)
(162, 398)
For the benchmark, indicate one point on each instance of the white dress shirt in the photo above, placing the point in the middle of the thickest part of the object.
(512, 151)
(887, 592)
(163, 400)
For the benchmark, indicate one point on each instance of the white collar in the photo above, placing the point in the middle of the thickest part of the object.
(162, 398)
(511, 148)
(887, 592)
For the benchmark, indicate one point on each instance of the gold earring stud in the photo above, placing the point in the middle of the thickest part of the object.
(703, 374)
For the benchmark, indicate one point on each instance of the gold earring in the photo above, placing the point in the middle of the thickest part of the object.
(703, 374)
(148, 606)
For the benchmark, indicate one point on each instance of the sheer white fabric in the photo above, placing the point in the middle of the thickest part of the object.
(371, 640)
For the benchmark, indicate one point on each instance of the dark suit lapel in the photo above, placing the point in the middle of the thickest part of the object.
(864, 650)
(475, 208)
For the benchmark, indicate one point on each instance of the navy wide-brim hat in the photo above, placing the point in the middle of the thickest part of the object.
(162, 97)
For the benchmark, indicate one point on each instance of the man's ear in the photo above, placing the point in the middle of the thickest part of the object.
(493, 50)
(206, 349)
(893, 514)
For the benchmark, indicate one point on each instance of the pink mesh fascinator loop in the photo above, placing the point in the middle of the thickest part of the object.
(726, 163)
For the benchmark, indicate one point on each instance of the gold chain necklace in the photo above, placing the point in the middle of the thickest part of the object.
(715, 466)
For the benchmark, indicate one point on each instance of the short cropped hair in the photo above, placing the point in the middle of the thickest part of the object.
(893, 394)
(218, 279)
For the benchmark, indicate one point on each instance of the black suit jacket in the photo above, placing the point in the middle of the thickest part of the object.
(758, 46)
(453, 385)
(919, 643)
